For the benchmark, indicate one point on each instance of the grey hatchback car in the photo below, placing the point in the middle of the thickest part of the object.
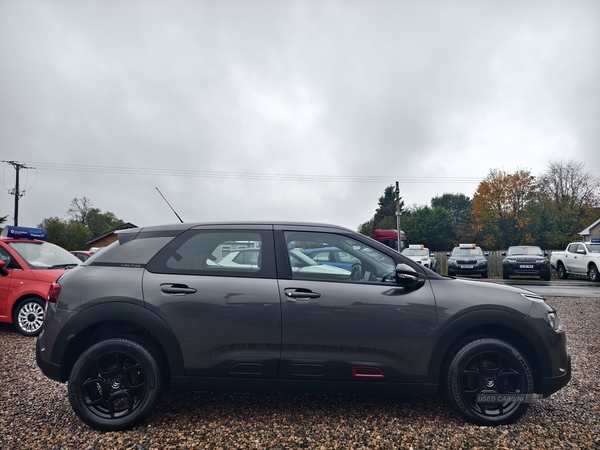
(156, 310)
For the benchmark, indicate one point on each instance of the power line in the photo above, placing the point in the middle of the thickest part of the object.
(250, 175)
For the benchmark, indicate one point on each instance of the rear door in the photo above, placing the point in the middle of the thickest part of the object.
(227, 319)
(361, 328)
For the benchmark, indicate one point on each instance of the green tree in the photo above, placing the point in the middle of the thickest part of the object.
(366, 228)
(99, 222)
(433, 227)
(70, 235)
(85, 223)
(385, 215)
(460, 206)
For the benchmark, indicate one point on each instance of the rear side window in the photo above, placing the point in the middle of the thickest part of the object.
(218, 252)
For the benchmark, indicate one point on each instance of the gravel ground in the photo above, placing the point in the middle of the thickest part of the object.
(35, 412)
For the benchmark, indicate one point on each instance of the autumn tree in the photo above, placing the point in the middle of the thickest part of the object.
(499, 208)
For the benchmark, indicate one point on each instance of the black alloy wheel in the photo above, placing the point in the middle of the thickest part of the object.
(114, 384)
(28, 316)
(493, 368)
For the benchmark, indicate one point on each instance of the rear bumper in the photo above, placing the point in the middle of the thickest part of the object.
(52, 371)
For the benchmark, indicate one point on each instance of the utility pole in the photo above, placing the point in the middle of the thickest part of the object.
(16, 191)
(398, 216)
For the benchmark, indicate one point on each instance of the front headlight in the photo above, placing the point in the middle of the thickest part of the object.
(540, 261)
(511, 260)
(553, 320)
(481, 262)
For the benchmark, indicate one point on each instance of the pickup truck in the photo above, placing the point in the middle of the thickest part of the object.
(579, 258)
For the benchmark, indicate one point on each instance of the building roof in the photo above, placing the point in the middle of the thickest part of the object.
(586, 232)
(125, 226)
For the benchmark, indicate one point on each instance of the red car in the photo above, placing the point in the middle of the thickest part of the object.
(28, 266)
(83, 255)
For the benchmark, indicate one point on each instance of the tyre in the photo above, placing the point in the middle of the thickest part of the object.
(28, 316)
(451, 274)
(546, 277)
(593, 273)
(484, 274)
(561, 271)
(489, 366)
(505, 275)
(114, 384)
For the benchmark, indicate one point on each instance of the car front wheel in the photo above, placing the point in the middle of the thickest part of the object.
(28, 316)
(487, 380)
(114, 384)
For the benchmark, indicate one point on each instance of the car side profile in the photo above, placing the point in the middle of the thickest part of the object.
(156, 310)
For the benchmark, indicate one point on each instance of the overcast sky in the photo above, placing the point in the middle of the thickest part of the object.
(287, 110)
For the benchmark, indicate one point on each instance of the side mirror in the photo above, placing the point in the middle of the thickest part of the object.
(408, 277)
(503, 253)
(486, 254)
(3, 270)
(447, 254)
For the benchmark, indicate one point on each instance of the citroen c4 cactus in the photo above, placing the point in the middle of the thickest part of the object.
(157, 310)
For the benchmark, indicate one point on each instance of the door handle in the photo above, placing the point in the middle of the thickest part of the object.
(177, 289)
(303, 295)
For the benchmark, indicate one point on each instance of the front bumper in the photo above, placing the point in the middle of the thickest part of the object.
(518, 269)
(550, 385)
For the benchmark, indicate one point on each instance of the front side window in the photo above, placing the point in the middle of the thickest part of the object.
(367, 263)
(207, 252)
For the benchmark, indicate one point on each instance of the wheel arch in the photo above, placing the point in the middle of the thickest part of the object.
(22, 297)
(493, 323)
(116, 319)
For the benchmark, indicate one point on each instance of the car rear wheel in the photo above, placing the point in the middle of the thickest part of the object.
(28, 316)
(496, 370)
(114, 384)
(593, 273)
(561, 271)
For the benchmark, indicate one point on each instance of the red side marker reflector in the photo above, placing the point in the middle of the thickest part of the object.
(367, 372)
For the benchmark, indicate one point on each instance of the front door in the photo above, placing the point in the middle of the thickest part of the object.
(353, 326)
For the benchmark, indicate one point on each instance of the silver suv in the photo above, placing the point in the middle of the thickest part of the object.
(157, 309)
